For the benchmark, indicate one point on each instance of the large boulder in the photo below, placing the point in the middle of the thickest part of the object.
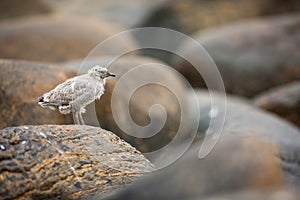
(235, 164)
(65, 162)
(275, 194)
(256, 152)
(283, 100)
(190, 16)
(57, 38)
(252, 56)
(131, 72)
(244, 119)
(21, 83)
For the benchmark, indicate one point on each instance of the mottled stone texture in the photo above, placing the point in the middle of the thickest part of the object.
(65, 162)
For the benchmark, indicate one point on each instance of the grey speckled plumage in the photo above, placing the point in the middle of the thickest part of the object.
(76, 93)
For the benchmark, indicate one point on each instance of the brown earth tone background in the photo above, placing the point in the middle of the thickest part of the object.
(255, 46)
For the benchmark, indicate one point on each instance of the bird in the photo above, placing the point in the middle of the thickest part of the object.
(73, 95)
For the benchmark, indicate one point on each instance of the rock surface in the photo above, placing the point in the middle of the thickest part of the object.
(21, 83)
(190, 16)
(290, 194)
(252, 56)
(65, 162)
(256, 152)
(130, 76)
(283, 100)
(231, 166)
(244, 119)
(57, 38)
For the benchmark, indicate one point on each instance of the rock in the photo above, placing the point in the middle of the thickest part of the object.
(256, 152)
(65, 162)
(283, 100)
(62, 38)
(231, 166)
(21, 83)
(247, 54)
(17, 8)
(244, 119)
(289, 193)
(123, 13)
(131, 71)
(193, 15)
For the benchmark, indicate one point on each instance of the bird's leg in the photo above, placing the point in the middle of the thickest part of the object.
(75, 117)
(81, 118)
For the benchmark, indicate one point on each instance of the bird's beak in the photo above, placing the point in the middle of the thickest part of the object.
(111, 74)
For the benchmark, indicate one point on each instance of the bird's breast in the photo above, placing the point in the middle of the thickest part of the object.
(99, 90)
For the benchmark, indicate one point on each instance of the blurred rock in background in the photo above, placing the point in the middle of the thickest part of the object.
(252, 56)
(190, 16)
(236, 163)
(257, 152)
(242, 117)
(124, 14)
(283, 100)
(20, 8)
(57, 38)
(284, 193)
(21, 83)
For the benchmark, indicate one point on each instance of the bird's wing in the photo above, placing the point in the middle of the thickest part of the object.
(61, 94)
(68, 91)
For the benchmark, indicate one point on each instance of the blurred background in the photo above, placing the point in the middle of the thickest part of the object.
(254, 43)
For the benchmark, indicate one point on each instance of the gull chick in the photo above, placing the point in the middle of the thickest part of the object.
(76, 93)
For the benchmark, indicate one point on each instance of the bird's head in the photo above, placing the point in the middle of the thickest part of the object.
(100, 72)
